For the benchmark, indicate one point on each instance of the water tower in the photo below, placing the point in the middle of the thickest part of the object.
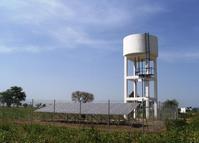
(140, 53)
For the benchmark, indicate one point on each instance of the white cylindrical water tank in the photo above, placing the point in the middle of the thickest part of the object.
(135, 46)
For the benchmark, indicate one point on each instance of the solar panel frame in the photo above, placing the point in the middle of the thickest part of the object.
(90, 108)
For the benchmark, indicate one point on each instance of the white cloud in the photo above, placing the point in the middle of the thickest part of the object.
(69, 24)
(34, 11)
(26, 48)
(4, 49)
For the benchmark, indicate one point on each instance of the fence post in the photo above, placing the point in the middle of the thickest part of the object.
(32, 108)
(109, 113)
(176, 112)
(80, 110)
(159, 110)
(54, 109)
(143, 115)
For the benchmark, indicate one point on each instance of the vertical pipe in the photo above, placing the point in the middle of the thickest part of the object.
(155, 90)
(135, 87)
(147, 70)
(135, 81)
(138, 66)
(142, 115)
(134, 67)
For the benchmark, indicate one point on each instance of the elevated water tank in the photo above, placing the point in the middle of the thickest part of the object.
(137, 45)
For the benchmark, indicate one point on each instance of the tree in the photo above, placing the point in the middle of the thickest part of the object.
(82, 96)
(18, 95)
(6, 97)
(170, 104)
(1, 99)
(14, 95)
(170, 109)
(25, 105)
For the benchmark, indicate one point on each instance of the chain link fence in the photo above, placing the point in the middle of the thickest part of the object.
(25, 113)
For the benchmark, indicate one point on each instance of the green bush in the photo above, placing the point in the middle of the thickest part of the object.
(175, 124)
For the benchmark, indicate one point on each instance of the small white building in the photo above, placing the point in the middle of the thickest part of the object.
(183, 110)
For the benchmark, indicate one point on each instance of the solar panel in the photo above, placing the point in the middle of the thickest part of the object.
(90, 108)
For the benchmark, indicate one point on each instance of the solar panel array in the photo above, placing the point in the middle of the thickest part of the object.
(90, 108)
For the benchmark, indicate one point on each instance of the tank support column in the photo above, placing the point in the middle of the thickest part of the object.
(125, 82)
(147, 89)
(125, 79)
(155, 90)
(147, 98)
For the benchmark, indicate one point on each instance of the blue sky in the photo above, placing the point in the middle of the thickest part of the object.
(54, 47)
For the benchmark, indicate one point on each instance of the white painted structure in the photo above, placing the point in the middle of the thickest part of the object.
(141, 50)
(183, 110)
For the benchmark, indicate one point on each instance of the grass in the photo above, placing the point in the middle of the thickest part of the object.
(185, 130)
(51, 134)
(47, 133)
(22, 114)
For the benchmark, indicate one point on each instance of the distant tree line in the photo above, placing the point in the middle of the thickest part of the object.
(12, 96)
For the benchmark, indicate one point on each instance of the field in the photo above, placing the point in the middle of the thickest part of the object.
(18, 126)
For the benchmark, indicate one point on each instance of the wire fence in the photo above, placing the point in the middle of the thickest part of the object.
(25, 113)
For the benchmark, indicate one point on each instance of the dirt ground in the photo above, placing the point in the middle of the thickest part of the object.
(150, 126)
